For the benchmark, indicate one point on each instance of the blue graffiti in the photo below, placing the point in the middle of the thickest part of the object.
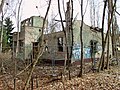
(77, 52)
(87, 53)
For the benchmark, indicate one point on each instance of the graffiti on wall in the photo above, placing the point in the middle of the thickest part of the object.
(77, 52)
(87, 52)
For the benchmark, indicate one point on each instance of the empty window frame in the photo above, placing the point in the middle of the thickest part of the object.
(60, 44)
(31, 22)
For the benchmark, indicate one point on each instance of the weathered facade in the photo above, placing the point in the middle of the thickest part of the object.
(55, 43)
(30, 30)
(55, 46)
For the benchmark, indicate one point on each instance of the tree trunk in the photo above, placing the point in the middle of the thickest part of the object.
(1, 41)
(71, 32)
(108, 43)
(71, 29)
(41, 48)
(109, 13)
(81, 41)
(17, 48)
(109, 24)
(102, 34)
(112, 38)
(66, 40)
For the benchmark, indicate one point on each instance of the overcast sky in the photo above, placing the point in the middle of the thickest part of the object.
(29, 9)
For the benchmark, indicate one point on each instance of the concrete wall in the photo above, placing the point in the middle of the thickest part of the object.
(21, 44)
(31, 35)
(88, 35)
(37, 21)
(30, 30)
(51, 43)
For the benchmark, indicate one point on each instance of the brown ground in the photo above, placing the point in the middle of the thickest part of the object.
(105, 80)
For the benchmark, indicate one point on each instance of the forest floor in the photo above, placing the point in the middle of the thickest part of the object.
(104, 80)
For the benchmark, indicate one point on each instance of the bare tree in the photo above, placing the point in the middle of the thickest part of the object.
(109, 13)
(68, 32)
(17, 48)
(1, 38)
(1, 5)
(16, 14)
(18, 26)
(102, 34)
(41, 48)
(101, 64)
(3, 11)
(71, 30)
(63, 28)
(81, 41)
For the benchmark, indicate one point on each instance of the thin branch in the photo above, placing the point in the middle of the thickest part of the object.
(24, 69)
(117, 12)
(63, 6)
(61, 18)
(86, 7)
(75, 18)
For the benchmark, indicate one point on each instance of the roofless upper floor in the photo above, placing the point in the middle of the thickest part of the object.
(33, 21)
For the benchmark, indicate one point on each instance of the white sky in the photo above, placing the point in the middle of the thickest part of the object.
(29, 9)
